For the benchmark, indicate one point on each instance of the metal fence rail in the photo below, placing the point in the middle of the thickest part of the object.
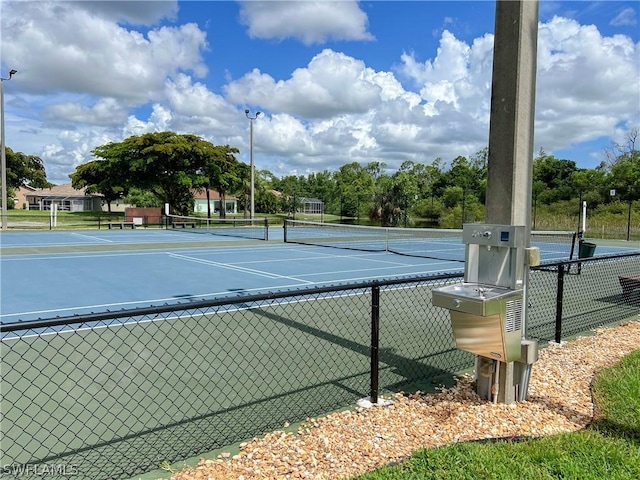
(114, 394)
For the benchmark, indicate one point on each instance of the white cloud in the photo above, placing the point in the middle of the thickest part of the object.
(570, 109)
(627, 17)
(334, 110)
(458, 74)
(105, 112)
(332, 84)
(88, 54)
(198, 109)
(160, 120)
(72, 148)
(309, 22)
(146, 12)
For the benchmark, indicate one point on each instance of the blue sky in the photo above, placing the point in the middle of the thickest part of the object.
(337, 81)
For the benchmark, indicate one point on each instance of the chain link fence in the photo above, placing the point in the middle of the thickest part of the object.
(574, 297)
(111, 395)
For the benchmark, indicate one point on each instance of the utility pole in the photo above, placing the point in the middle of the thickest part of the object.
(510, 165)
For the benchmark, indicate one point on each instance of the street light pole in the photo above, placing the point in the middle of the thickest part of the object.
(3, 158)
(251, 119)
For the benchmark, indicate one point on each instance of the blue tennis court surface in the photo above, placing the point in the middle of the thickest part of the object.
(48, 274)
(43, 285)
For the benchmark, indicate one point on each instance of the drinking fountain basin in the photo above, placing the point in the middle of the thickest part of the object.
(475, 298)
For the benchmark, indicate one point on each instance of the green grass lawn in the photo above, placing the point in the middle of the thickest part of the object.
(608, 449)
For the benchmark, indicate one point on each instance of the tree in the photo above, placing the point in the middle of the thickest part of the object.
(139, 198)
(355, 184)
(266, 201)
(321, 185)
(430, 179)
(169, 165)
(375, 169)
(623, 165)
(291, 187)
(23, 170)
(100, 176)
(224, 173)
(557, 175)
(395, 195)
(479, 164)
(590, 184)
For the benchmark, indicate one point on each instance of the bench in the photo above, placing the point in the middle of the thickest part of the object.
(121, 225)
(183, 224)
(629, 283)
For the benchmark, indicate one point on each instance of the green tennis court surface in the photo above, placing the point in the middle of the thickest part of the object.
(206, 372)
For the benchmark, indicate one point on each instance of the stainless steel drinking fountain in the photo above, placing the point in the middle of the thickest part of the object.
(487, 308)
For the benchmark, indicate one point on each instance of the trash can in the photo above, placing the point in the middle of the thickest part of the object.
(587, 249)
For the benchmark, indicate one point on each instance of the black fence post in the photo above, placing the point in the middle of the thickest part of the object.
(375, 341)
(559, 296)
(266, 228)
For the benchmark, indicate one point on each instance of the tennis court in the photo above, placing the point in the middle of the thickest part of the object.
(127, 394)
(61, 273)
(140, 268)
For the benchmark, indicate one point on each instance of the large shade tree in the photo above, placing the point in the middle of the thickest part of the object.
(24, 170)
(167, 164)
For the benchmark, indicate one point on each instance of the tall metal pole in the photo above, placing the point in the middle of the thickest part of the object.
(3, 158)
(511, 130)
(251, 119)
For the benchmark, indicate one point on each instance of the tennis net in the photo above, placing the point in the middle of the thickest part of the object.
(256, 228)
(439, 244)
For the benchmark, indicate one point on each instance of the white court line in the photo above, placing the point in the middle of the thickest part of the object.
(134, 253)
(375, 257)
(91, 237)
(235, 268)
